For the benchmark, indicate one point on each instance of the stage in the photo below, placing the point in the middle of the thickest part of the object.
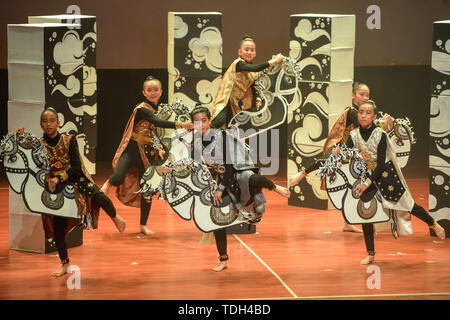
(297, 253)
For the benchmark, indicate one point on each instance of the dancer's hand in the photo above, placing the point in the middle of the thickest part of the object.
(52, 182)
(165, 170)
(359, 190)
(336, 151)
(218, 197)
(258, 103)
(188, 125)
(279, 58)
(388, 120)
(161, 153)
(20, 130)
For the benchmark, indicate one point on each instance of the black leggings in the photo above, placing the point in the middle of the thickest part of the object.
(59, 226)
(60, 223)
(221, 241)
(368, 229)
(129, 158)
(256, 183)
(105, 203)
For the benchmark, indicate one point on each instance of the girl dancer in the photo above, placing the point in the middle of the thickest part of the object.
(234, 172)
(385, 175)
(138, 150)
(66, 167)
(236, 91)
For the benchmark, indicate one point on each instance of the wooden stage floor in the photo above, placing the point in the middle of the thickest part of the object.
(297, 253)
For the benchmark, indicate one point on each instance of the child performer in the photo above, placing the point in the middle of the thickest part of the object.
(138, 150)
(339, 134)
(66, 167)
(235, 172)
(236, 91)
(385, 175)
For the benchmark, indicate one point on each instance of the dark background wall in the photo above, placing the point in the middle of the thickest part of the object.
(132, 43)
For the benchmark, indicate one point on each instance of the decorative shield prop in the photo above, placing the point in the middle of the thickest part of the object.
(188, 189)
(278, 87)
(25, 163)
(176, 143)
(343, 173)
(402, 137)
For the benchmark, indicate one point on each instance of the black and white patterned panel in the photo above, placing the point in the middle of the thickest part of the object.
(439, 204)
(439, 195)
(310, 43)
(440, 70)
(78, 111)
(323, 45)
(195, 56)
(307, 132)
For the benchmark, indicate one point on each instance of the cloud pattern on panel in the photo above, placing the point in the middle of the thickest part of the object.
(208, 48)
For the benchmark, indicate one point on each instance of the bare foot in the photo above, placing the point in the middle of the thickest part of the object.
(295, 179)
(105, 188)
(146, 230)
(119, 222)
(284, 192)
(61, 271)
(440, 232)
(222, 265)
(350, 228)
(368, 260)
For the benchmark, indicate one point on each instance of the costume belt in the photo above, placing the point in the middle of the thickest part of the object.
(371, 164)
(141, 138)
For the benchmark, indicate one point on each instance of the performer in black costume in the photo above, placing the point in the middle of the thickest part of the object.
(339, 134)
(236, 174)
(66, 167)
(385, 176)
(139, 149)
(236, 91)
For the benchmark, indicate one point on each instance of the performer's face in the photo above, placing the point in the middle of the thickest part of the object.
(361, 95)
(247, 51)
(201, 122)
(152, 91)
(50, 124)
(366, 115)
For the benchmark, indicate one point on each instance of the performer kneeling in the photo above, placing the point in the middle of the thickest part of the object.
(66, 167)
(238, 178)
(385, 175)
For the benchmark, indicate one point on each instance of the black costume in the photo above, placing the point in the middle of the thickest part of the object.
(392, 189)
(73, 175)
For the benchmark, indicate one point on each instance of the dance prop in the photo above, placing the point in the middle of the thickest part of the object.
(343, 173)
(25, 163)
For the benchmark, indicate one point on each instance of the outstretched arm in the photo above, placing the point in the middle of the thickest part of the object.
(158, 122)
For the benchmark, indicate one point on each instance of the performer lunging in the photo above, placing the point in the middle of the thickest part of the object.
(236, 91)
(385, 175)
(66, 167)
(234, 170)
(139, 149)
